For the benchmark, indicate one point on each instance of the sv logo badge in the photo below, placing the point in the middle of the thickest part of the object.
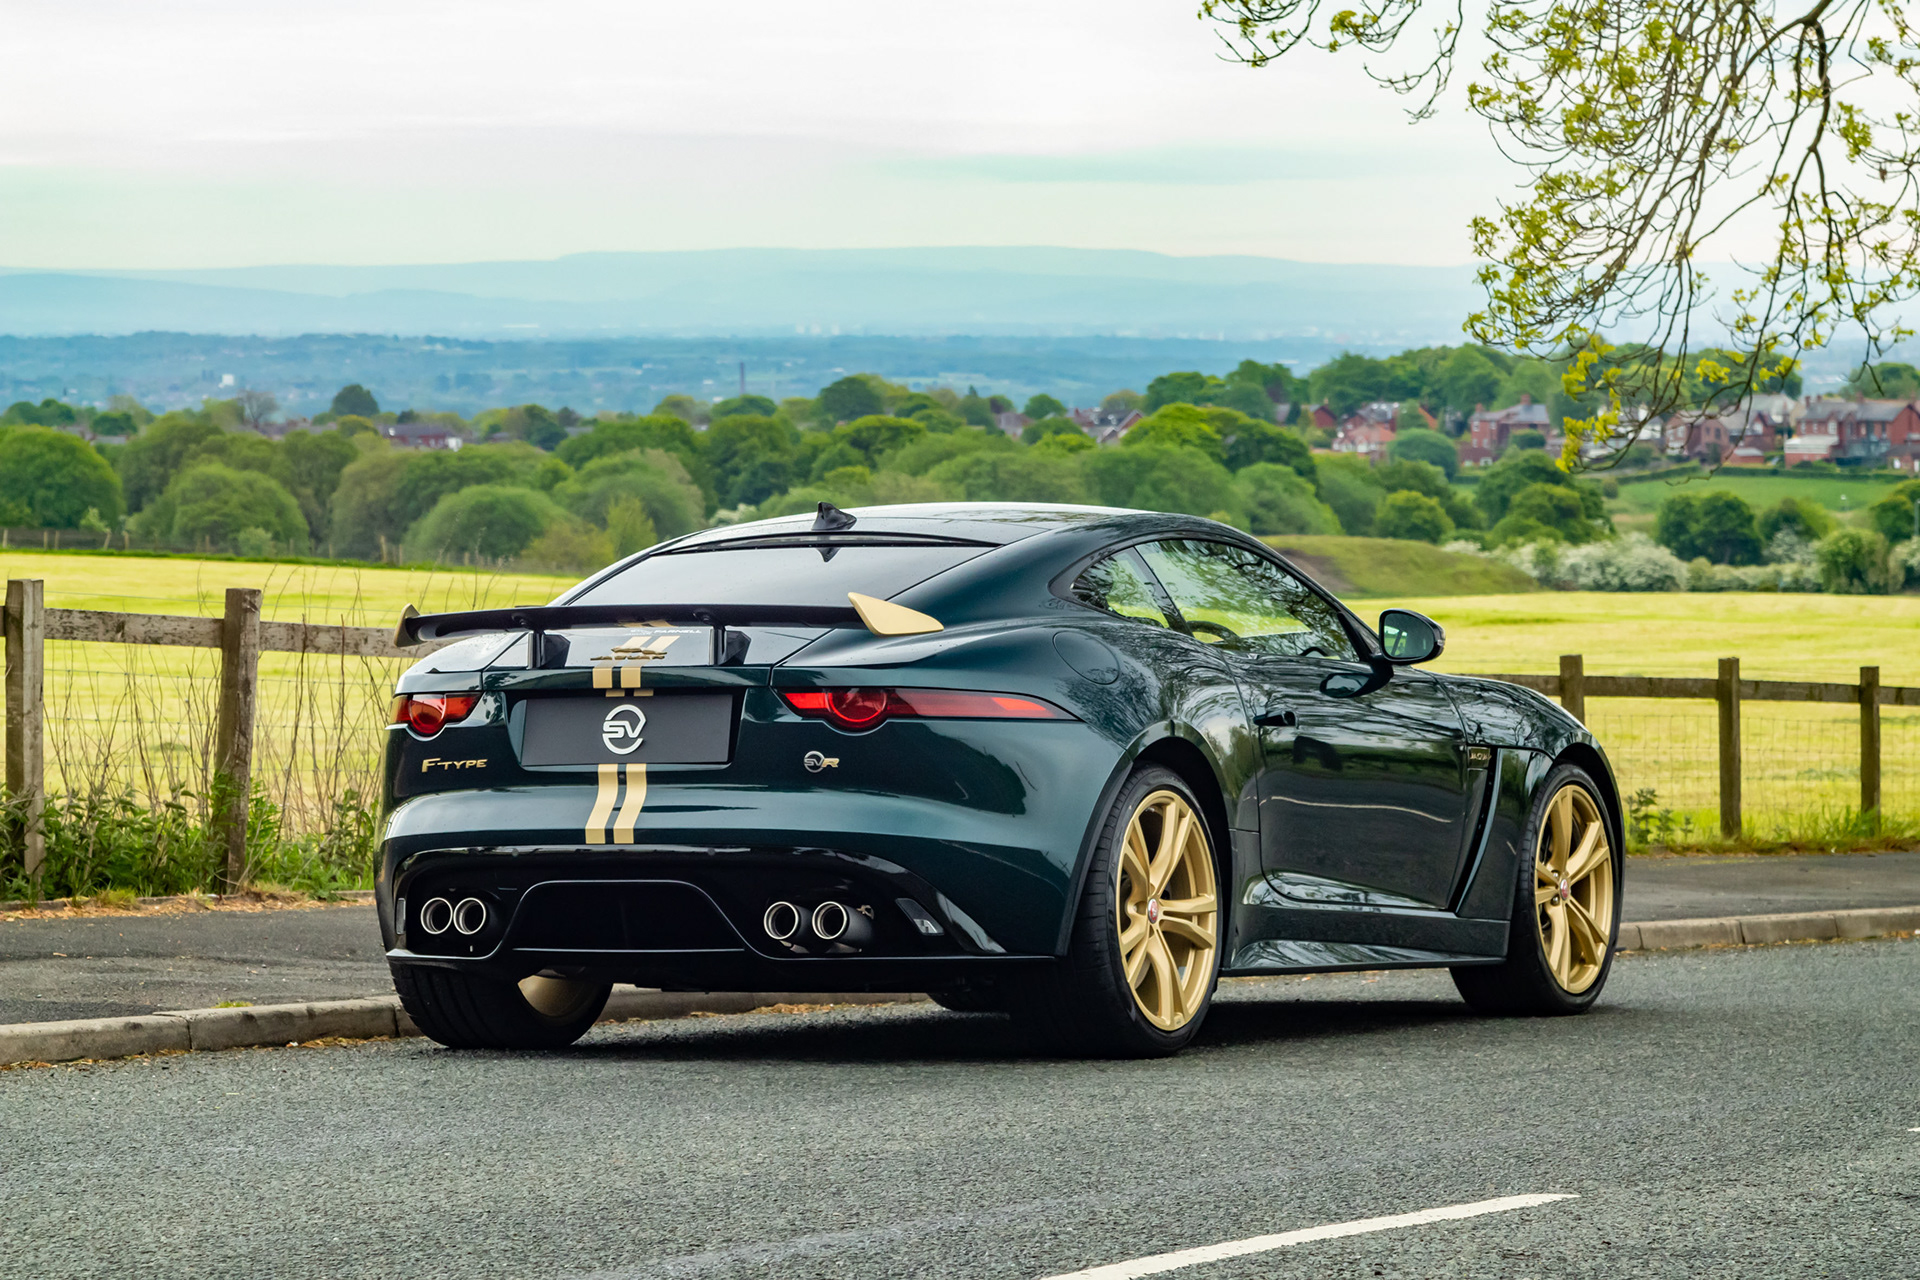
(620, 731)
(815, 762)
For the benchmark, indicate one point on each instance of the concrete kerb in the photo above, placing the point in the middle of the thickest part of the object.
(250, 1027)
(253, 1026)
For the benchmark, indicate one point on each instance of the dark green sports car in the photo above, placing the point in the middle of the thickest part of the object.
(1069, 763)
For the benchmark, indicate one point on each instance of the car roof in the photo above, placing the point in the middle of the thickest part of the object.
(997, 523)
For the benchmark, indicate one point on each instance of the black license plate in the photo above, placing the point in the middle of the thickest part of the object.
(666, 728)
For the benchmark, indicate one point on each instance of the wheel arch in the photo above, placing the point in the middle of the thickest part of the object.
(1588, 757)
(1171, 749)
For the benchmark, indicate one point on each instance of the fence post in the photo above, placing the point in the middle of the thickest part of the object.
(1728, 695)
(26, 634)
(233, 744)
(1870, 747)
(1573, 685)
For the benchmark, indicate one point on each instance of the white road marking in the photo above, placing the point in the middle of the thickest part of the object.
(1160, 1262)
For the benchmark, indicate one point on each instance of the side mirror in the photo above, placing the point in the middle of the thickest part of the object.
(1410, 637)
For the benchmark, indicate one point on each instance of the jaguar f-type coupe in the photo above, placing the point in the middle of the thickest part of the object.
(1068, 763)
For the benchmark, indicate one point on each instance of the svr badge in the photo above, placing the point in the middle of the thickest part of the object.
(815, 762)
(621, 729)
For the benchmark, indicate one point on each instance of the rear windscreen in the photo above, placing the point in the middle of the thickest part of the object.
(776, 575)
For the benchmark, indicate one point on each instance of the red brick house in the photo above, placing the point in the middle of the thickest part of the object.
(1490, 430)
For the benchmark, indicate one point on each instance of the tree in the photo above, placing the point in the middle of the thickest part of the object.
(150, 460)
(52, 479)
(1279, 499)
(752, 458)
(1661, 137)
(491, 520)
(308, 465)
(1012, 477)
(1177, 425)
(1545, 511)
(1348, 381)
(355, 399)
(1123, 402)
(1893, 516)
(685, 408)
(1808, 521)
(1521, 469)
(1412, 516)
(651, 478)
(1716, 524)
(256, 407)
(1348, 485)
(211, 503)
(1035, 432)
(1259, 442)
(1890, 379)
(1468, 380)
(1175, 388)
(851, 397)
(1245, 397)
(366, 511)
(535, 424)
(1855, 562)
(760, 406)
(1419, 444)
(1043, 405)
(975, 409)
(1158, 477)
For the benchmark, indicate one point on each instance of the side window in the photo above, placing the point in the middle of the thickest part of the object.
(1230, 596)
(1118, 584)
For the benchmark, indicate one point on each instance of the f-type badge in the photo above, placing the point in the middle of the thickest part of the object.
(815, 762)
(621, 729)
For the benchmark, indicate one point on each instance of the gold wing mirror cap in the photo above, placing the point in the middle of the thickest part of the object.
(884, 618)
(401, 640)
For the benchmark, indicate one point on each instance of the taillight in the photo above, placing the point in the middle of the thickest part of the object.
(425, 713)
(856, 709)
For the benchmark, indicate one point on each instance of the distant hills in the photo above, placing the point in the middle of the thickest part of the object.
(767, 292)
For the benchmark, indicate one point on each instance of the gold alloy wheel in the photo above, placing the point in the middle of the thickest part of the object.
(1165, 907)
(1573, 889)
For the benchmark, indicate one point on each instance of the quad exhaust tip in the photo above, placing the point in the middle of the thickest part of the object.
(470, 917)
(436, 916)
(782, 921)
(837, 922)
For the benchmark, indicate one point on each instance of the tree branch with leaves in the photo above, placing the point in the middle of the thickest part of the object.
(1666, 145)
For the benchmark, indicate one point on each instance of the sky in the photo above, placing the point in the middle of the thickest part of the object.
(208, 133)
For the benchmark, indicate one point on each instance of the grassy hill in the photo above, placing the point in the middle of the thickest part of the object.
(1359, 567)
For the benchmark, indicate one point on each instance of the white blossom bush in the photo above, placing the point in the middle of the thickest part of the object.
(1631, 563)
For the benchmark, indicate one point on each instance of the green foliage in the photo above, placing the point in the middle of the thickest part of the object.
(918, 457)
(651, 478)
(211, 503)
(1248, 389)
(1176, 426)
(1157, 477)
(366, 504)
(1545, 511)
(1278, 499)
(1348, 381)
(1420, 444)
(1887, 380)
(1716, 524)
(1123, 402)
(1035, 432)
(1007, 476)
(1855, 562)
(1347, 484)
(1519, 470)
(1467, 380)
(758, 406)
(1414, 517)
(751, 458)
(113, 424)
(148, 462)
(1808, 520)
(1043, 406)
(685, 408)
(1258, 442)
(51, 479)
(496, 521)
(851, 397)
(656, 431)
(354, 399)
(1425, 478)
(1893, 515)
(308, 464)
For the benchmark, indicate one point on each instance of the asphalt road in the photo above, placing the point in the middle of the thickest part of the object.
(113, 966)
(1743, 1112)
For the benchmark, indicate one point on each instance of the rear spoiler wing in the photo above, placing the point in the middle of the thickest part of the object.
(881, 617)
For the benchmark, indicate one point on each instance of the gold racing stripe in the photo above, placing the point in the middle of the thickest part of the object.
(629, 674)
(603, 804)
(636, 797)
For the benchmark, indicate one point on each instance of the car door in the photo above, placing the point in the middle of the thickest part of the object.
(1363, 781)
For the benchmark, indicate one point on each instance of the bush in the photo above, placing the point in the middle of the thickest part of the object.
(1809, 520)
(211, 503)
(51, 479)
(1419, 444)
(1717, 525)
(1279, 500)
(1631, 563)
(569, 546)
(491, 520)
(1853, 562)
(1893, 516)
(1412, 516)
(1544, 511)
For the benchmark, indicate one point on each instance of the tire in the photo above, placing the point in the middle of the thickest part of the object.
(1087, 1004)
(1560, 943)
(463, 1011)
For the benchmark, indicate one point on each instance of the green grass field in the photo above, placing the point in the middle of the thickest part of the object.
(1845, 496)
(1369, 567)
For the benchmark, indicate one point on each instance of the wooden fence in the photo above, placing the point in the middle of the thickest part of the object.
(240, 636)
(1573, 686)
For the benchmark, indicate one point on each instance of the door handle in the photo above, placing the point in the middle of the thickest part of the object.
(1278, 718)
